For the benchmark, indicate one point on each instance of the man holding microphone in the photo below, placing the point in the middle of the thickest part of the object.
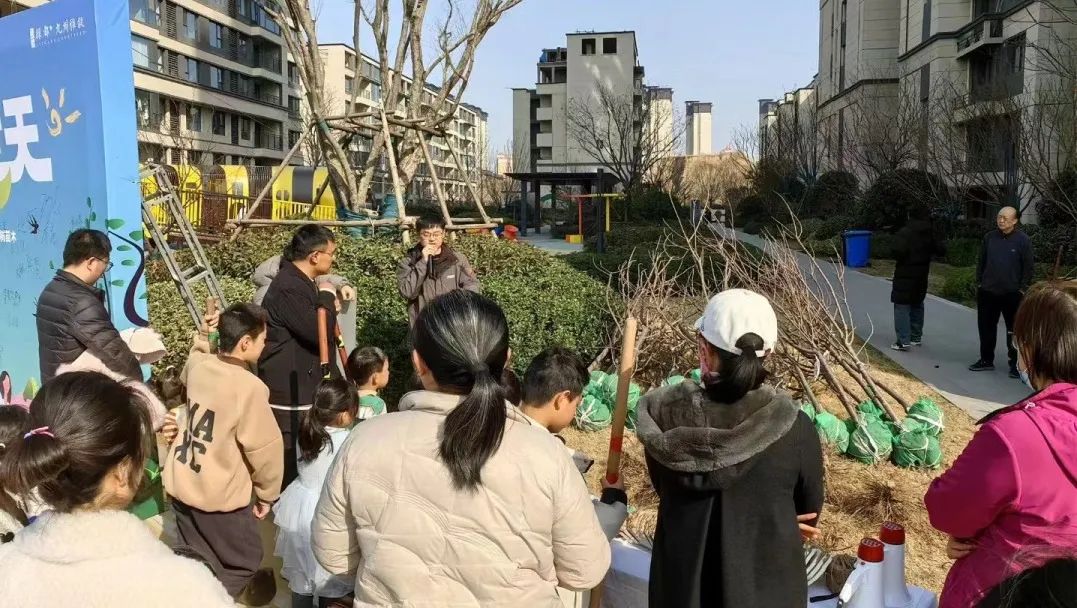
(431, 268)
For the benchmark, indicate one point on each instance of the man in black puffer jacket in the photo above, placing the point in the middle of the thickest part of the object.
(916, 246)
(71, 314)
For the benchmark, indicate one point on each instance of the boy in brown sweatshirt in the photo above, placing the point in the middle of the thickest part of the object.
(228, 448)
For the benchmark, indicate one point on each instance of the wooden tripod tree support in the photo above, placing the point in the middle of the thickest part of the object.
(350, 124)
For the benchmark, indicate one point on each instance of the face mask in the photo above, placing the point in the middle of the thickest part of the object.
(1025, 378)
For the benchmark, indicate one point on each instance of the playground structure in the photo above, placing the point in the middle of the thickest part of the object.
(378, 122)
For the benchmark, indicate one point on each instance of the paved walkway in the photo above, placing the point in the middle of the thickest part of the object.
(951, 342)
(550, 245)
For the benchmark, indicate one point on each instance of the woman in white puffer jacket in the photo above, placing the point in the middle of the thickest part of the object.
(458, 499)
(82, 449)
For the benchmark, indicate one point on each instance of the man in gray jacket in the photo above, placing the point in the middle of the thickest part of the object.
(431, 269)
(1003, 275)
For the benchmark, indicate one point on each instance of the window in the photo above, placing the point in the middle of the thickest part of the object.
(926, 33)
(609, 46)
(192, 70)
(293, 74)
(349, 85)
(144, 11)
(375, 92)
(245, 128)
(293, 138)
(218, 123)
(190, 25)
(991, 144)
(241, 7)
(194, 118)
(588, 46)
(144, 53)
(216, 35)
(143, 102)
(293, 106)
(216, 77)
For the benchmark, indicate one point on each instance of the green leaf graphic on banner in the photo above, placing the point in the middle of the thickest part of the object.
(136, 235)
(93, 216)
(123, 248)
(115, 223)
(143, 296)
(118, 283)
(5, 189)
(127, 263)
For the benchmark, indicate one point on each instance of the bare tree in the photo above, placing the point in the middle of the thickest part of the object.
(885, 134)
(629, 138)
(412, 108)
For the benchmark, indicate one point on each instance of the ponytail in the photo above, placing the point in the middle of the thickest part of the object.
(12, 428)
(463, 338)
(737, 374)
(473, 431)
(81, 426)
(331, 399)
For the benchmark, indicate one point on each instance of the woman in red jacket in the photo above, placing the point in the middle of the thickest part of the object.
(1015, 485)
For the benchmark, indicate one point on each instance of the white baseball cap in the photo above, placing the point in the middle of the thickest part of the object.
(735, 312)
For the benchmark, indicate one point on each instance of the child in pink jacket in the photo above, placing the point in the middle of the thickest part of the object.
(1015, 484)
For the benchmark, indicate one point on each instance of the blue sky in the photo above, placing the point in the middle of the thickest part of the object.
(729, 53)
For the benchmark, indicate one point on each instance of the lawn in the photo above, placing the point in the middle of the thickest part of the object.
(936, 280)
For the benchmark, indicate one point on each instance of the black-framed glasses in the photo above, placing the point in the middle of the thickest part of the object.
(108, 264)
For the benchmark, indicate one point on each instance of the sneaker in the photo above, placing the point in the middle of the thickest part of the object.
(898, 346)
(982, 366)
(261, 590)
(916, 343)
(1016, 375)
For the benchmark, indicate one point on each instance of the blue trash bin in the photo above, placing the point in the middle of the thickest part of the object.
(856, 247)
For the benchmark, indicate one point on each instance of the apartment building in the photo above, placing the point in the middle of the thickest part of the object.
(697, 128)
(348, 75)
(789, 130)
(573, 76)
(210, 81)
(956, 87)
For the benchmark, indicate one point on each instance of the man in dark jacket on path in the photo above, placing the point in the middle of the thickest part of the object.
(71, 314)
(431, 269)
(290, 365)
(1003, 275)
(916, 245)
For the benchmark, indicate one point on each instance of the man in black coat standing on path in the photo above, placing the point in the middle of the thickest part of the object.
(1003, 275)
(916, 245)
(71, 314)
(290, 365)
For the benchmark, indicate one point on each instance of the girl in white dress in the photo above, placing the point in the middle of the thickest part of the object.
(324, 428)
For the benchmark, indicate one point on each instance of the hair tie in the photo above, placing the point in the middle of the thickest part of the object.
(480, 368)
(42, 430)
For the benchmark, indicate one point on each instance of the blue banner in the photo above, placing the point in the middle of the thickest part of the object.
(68, 160)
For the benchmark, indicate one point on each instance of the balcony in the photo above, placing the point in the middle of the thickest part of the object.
(983, 34)
(543, 114)
(269, 141)
(550, 89)
(544, 140)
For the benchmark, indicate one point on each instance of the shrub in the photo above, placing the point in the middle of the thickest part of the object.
(752, 209)
(834, 192)
(648, 205)
(960, 286)
(1048, 240)
(832, 227)
(546, 301)
(1053, 209)
(883, 245)
(963, 252)
(887, 203)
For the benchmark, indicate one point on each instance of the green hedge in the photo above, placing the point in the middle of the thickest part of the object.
(547, 302)
(963, 252)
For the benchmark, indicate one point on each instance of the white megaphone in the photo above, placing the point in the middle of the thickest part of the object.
(895, 591)
(864, 589)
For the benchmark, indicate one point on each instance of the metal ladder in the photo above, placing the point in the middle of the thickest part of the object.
(200, 270)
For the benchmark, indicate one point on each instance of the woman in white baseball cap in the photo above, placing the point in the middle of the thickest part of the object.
(735, 464)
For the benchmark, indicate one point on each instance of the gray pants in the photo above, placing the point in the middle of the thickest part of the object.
(909, 322)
